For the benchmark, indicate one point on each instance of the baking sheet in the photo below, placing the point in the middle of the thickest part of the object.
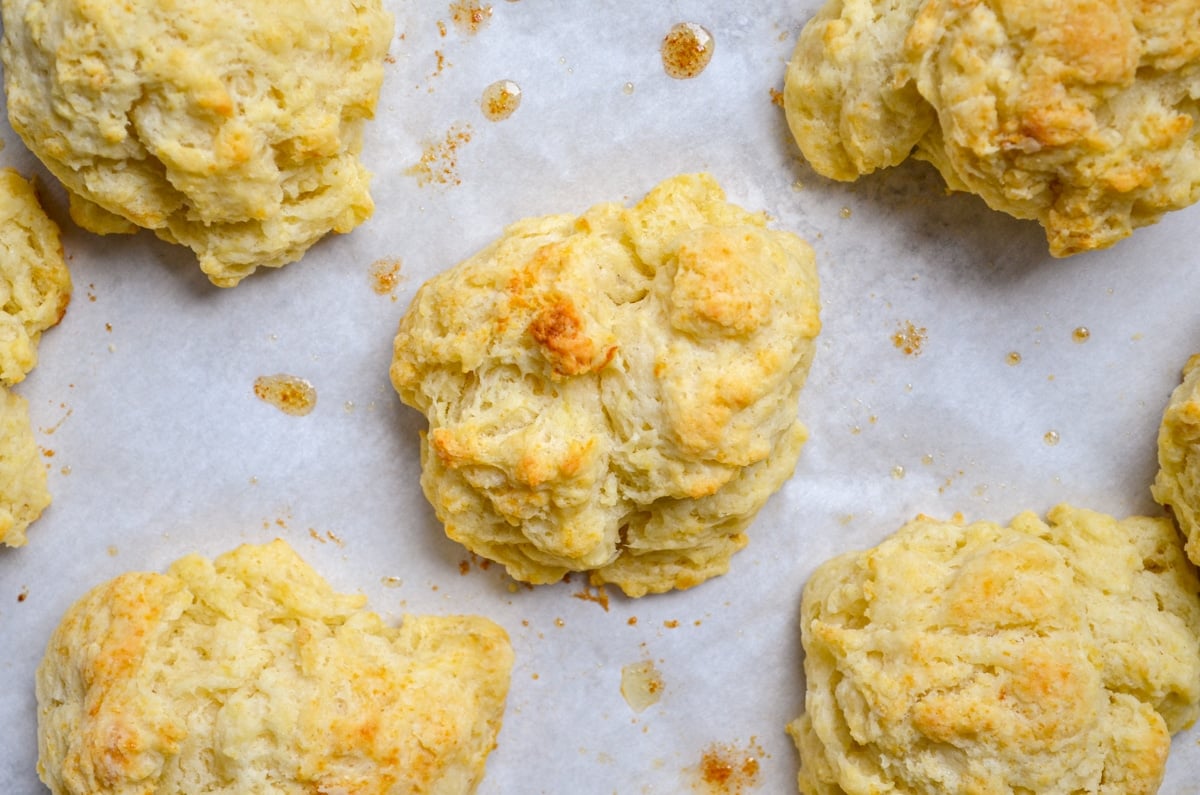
(157, 446)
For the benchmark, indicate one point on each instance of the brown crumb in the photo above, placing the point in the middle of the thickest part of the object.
(469, 15)
(909, 338)
(776, 97)
(289, 394)
(598, 594)
(728, 769)
(385, 275)
(439, 159)
(686, 50)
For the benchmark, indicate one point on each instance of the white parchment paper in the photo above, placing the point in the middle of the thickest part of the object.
(157, 446)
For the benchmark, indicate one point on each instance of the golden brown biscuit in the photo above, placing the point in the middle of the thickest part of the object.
(248, 673)
(1090, 129)
(232, 128)
(614, 392)
(23, 494)
(1050, 657)
(848, 95)
(1177, 485)
(35, 286)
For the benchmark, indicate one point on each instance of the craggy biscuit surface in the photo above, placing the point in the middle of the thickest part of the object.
(614, 392)
(1090, 129)
(23, 494)
(35, 286)
(248, 673)
(233, 128)
(1050, 657)
(1177, 485)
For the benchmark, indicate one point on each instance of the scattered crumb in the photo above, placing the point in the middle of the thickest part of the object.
(910, 338)
(728, 769)
(500, 100)
(439, 159)
(289, 394)
(598, 594)
(50, 431)
(469, 16)
(641, 685)
(464, 565)
(776, 97)
(686, 50)
(385, 276)
(24, 594)
(441, 64)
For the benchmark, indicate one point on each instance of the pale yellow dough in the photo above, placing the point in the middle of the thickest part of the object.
(1177, 485)
(23, 493)
(1054, 657)
(35, 288)
(35, 285)
(615, 392)
(232, 127)
(248, 673)
(1090, 129)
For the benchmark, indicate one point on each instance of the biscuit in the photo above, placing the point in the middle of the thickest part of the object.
(615, 392)
(1048, 657)
(1089, 129)
(232, 128)
(35, 286)
(23, 494)
(1177, 484)
(248, 673)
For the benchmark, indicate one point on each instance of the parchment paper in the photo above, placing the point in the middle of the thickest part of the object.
(157, 446)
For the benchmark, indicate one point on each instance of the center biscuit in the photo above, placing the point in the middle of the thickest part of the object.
(615, 392)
